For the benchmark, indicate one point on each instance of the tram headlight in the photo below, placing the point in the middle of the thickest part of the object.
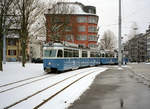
(49, 63)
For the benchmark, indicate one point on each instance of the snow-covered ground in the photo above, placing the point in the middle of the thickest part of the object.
(14, 72)
(139, 63)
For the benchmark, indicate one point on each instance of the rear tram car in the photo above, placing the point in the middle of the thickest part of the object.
(67, 56)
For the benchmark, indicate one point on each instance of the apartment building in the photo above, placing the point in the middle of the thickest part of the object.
(13, 47)
(136, 48)
(148, 44)
(78, 26)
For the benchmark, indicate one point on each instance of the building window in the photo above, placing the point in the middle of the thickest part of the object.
(81, 37)
(92, 45)
(92, 29)
(148, 53)
(148, 40)
(148, 46)
(12, 42)
(81, 28)
(69, 37)
(92, 19)
(68, 28)
(11, 52)
(55, 19)
(82, 45)
(81, 19)
(92, 38)
(67, 19)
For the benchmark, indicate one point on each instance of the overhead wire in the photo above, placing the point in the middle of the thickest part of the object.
(130, 11)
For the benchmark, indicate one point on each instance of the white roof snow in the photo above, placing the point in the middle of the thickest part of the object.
(68, 8)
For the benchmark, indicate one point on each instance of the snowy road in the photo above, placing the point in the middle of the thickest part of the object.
(30, 93)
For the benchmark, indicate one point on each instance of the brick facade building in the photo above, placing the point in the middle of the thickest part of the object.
(78, 26)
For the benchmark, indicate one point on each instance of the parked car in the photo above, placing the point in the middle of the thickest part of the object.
(37, 60)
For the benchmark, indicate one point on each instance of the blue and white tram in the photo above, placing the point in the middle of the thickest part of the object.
(58, 57)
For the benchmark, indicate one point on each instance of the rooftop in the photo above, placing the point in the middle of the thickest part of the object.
(72, 8)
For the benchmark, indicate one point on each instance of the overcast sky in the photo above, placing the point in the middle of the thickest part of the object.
(132, 11)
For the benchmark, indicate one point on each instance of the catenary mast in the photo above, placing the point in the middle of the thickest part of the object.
(119, 36)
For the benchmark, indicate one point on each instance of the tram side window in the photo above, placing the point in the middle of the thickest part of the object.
(60, 53)
(68, 53)
(75, 53)
(84, 53)
(71, 53)
(103, 55)
(94, 54)
(106, 55)
(97, 55)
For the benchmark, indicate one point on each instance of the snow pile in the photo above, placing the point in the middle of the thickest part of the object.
(120, 68)
(13, 71)
(147, 63)
(133, 63)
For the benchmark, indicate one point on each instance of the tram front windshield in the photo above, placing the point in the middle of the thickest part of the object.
(50, 53)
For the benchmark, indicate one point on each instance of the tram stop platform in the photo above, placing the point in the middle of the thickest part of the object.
(115, 88)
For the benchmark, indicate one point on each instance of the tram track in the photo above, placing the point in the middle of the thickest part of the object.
(20, 81)
(23, 84)
(57, 83)
(58, 92)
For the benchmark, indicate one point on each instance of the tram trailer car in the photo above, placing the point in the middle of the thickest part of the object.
(58, 57)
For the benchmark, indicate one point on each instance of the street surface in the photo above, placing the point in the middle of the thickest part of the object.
(141, 69)
(118, 89)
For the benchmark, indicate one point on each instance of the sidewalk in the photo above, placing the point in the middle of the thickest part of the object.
(115, 89)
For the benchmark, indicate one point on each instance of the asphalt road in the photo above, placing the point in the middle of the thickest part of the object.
(141, 68)
(117, 89)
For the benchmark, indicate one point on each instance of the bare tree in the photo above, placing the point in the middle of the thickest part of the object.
(58, 19)
(29, 10)
(5, 7)
(108, 40)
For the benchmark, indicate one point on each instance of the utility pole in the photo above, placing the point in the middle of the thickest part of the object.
(119, 37)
